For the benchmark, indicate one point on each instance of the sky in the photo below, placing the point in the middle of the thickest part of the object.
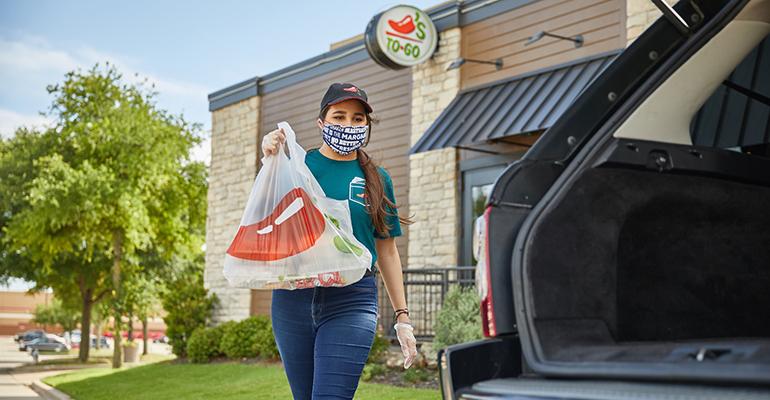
(188, 49)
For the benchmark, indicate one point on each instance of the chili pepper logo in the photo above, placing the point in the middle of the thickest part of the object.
(293, 227)
(408, 28)
(406, 25)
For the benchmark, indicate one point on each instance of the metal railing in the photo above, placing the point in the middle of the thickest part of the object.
(425, 291)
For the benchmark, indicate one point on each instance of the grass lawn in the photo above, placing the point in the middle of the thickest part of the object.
(168, 380)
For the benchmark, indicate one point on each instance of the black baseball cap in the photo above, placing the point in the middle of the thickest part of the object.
(339, 92)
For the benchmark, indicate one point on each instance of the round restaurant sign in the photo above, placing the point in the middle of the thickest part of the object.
(401, 37)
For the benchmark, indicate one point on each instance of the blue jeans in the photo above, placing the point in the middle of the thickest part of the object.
(324, 335)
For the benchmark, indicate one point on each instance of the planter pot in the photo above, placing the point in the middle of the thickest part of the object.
(130, 354)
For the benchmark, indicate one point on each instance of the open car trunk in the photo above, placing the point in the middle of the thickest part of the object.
(650, 257)
(631, 265)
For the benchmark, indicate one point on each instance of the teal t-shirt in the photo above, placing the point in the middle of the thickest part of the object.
(344, 180)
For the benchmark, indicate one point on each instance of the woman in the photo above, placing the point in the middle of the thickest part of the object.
(324, 334)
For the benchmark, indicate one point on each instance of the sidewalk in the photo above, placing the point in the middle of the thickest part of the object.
(10, 358)
(17, 384)
(10, 387)
(32, 381)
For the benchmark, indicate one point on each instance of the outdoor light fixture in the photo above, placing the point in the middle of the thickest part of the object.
(498, 63)
(539, 35)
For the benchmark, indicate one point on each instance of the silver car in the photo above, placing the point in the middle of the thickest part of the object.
(49, 342)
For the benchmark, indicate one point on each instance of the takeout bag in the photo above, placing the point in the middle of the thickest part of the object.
(291, 235)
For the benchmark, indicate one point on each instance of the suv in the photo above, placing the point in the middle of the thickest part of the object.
(627, 254)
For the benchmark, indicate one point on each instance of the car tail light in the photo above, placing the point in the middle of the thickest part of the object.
(483, 282)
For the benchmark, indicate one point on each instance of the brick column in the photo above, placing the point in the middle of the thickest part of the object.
(433, 177)
(640, 14)
(231, 175)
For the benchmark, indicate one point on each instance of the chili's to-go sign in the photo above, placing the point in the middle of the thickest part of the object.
(401, 37)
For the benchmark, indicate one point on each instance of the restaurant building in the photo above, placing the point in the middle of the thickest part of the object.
(447, 127)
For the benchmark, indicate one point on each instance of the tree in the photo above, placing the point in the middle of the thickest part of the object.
(115, 180)
(142, 301)
(57, 313)
(187, 303)
(73, 275)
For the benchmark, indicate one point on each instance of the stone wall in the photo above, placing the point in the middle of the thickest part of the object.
(640, 14)
(231, 176)
(433, 179)
(433, 176)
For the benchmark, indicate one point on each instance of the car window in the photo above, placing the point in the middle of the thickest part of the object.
(737, 115)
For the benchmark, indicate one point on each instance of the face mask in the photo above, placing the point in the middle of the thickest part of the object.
(344, 139)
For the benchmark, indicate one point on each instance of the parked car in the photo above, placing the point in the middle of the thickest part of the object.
(626, 254)
(28, 336)
(161, 339)
(104, 343)
(75, 338)
(49, 342)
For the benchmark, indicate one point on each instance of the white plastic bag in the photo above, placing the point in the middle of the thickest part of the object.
(291, 235)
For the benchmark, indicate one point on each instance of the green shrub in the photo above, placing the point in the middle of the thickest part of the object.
(188, 306)
(250, 337)
(223, 328)
(379, 347)
(372, 370)
(414, 375)
(459, 320)
(265, 341)
(204, 344)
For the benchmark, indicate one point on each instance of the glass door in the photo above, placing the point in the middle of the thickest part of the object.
(477, 185)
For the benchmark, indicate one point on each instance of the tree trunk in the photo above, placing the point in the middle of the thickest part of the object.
(145, 341)
(130, 326)
(117, 245)
(85, 326)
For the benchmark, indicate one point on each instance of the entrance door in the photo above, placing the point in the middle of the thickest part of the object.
(477, 185)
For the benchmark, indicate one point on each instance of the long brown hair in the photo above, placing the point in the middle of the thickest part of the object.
(375, 188)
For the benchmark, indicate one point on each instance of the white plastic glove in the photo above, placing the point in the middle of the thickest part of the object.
(405, 334)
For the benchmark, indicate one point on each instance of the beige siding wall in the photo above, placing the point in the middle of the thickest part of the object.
(601, 22)
(389, 94)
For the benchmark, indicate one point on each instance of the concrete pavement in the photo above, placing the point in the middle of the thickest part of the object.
(11, 357)
(16, 384)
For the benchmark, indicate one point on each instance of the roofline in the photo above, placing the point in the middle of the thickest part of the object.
(447, 15)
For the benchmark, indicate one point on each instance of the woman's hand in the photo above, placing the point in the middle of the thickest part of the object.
(405, 334)
(271, 142)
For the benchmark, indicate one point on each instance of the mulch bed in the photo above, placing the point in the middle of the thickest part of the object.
(395, 377)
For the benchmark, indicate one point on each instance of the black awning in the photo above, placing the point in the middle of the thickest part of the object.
(526, 103)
